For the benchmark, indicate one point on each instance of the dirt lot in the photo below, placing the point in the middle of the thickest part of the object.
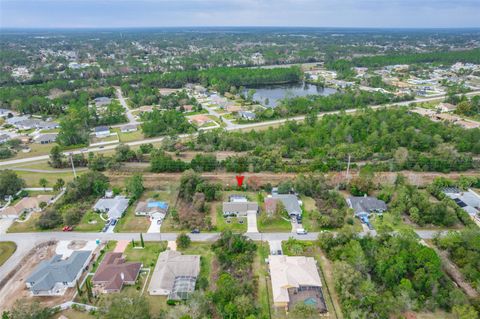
(15, 288)
(152, 180)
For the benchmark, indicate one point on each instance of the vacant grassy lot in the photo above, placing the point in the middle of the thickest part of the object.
(23, 227)
(272, 225)
(147, 255)
(32, 178)
(7, 248)
(91, 222)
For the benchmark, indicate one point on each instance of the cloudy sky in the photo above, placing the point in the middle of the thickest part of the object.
(158, 13)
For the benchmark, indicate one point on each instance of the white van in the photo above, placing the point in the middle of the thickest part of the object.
(301, 231)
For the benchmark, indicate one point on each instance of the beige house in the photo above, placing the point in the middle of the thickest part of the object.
(295, 279)
(26, 204)
(175, 275)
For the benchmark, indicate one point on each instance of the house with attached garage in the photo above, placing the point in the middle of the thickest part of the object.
(102, 131)
(113, 273)
(175, 275)
(239, 207)
(295, 280)
(154, 209)
(113, 207)
(290, 201)
(55, 276)
(366, 205)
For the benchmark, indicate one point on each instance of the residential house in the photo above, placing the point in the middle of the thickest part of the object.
(46, 138)
(55, 276)
(129, 128)
(113, 207)
(239, 206)
(291, 203)
(187, 108)
(113, 273)
(446, 107)
(175, 275)
(295, 280)
(25, 205)
(468, 200)
(102, 131)
(247, 115)
(200, 120)
(154, 209)
(366, 205)
(102, 101)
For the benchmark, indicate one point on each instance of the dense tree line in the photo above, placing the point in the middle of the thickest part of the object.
(396, 137)
(377, 277)
(77, 199)
(463, 249)
(235, 293)
(165, 123)
(448, 57)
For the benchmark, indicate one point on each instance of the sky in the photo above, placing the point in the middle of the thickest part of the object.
(174, 13)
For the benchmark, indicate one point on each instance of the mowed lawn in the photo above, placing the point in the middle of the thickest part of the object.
(7, 248)
(130, 223)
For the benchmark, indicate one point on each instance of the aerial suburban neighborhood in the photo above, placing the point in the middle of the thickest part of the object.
(154, 171)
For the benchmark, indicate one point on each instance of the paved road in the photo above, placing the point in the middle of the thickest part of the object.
(128, 111)
(26, 241)
(231, 128)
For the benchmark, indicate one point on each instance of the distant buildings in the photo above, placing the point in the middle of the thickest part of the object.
(46, 138)
(129, 128)
(200, 120)
(25, 122)
(468, 200)
(102, 101)
(247, 115)
(175, 275)
(102, 131)
(55, 276)
(290, 201)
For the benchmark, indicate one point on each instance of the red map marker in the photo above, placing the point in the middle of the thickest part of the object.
(240, 180)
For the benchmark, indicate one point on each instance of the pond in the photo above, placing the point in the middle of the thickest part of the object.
(274, 93)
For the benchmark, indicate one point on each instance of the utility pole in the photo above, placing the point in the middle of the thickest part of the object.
(348, 169)
(73, 166)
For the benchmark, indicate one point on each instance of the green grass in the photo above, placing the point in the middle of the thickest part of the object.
(85, 224)
(74, 314)
(29, 226)
(129, 136)
(7, 248)
(130, 223)
(31, 178)
(148, 255)
(234, 225)
(266, 224)
(35, 150)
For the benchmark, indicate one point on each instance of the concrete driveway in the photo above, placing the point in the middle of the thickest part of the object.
(275, 247)
(252, 222)
(155, 226)
(5, 223)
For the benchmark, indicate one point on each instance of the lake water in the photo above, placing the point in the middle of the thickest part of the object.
(274, 93)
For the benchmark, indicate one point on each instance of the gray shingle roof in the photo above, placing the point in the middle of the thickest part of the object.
(56, 270)
(361, 204)
(290, 202)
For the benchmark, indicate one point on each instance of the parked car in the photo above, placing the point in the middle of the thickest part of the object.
(301, 231)
(195, 231)
(67, 228)
(114, 222)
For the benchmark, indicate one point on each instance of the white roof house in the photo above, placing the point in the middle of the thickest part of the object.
(291, 272)
(113, 207)
(175, 275)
